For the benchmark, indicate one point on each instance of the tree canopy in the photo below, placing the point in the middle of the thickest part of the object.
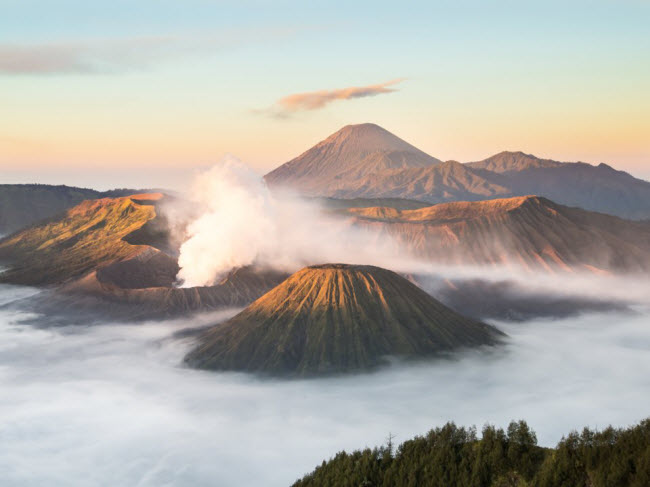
(453, 456)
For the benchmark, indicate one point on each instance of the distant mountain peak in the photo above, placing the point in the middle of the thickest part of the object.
(370, 137)
(354, 151)
(367, 161)
(516, 153)
(364, 139)
(512, 161)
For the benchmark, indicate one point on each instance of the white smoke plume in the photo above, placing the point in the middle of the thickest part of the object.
(241, 222)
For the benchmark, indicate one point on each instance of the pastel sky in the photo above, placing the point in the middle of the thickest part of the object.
(144, 92)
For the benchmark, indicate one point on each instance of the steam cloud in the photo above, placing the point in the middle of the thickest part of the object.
(242, 223)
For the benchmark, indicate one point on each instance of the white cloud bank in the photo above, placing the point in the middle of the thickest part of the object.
(111, 405)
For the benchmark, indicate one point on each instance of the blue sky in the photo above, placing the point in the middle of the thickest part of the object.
(89, 86)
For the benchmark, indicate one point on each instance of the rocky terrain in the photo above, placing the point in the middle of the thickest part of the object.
(115, 258)
(526, 232)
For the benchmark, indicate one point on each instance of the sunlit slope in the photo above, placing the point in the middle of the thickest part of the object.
(529, 232)
(22, 205)
(336, 318)
(116, 258)
(88, 236)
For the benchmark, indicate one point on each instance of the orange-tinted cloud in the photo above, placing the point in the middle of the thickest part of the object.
(315, 100)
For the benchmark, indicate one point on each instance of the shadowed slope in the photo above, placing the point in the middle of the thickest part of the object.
(448, 181)
(337, 318)
(527, 231)
(94, 298)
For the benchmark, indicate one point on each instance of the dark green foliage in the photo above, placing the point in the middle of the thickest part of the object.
(454, 456)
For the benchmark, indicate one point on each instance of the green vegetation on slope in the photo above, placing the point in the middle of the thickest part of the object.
(453, 456)
(337, 318)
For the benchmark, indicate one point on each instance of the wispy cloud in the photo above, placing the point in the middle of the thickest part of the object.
(120, 55)
(315, 100)
(82, 56)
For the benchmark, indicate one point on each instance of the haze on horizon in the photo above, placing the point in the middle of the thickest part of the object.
(111, 94)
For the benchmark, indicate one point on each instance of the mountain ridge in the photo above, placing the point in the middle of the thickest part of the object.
(320, 172)
(115, 257)
(528, 232)
(22, 205)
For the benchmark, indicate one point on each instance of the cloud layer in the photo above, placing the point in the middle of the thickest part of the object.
(119, 403)
(84, 56)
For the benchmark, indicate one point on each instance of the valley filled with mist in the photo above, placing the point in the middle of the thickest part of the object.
(111, 404)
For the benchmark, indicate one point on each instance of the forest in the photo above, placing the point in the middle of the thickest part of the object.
(451, 456)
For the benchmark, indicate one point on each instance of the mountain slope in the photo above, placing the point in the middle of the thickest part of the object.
(365, 161)
(597, 188)
(336, 318)
(505, 162)
(447, 181)
(530, 231)
(355, 151)
(115, 257)
(24, 204)
(89, 235)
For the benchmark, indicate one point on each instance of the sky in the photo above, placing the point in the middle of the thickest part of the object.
(123, 93)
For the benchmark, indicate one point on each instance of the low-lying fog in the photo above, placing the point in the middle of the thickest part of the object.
(111, 405)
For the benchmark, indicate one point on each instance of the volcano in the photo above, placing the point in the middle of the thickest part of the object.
(337, 318)
(117, 257)
(352, 153)
(366, 161)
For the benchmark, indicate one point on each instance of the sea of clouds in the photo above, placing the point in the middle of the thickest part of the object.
(112, 405)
